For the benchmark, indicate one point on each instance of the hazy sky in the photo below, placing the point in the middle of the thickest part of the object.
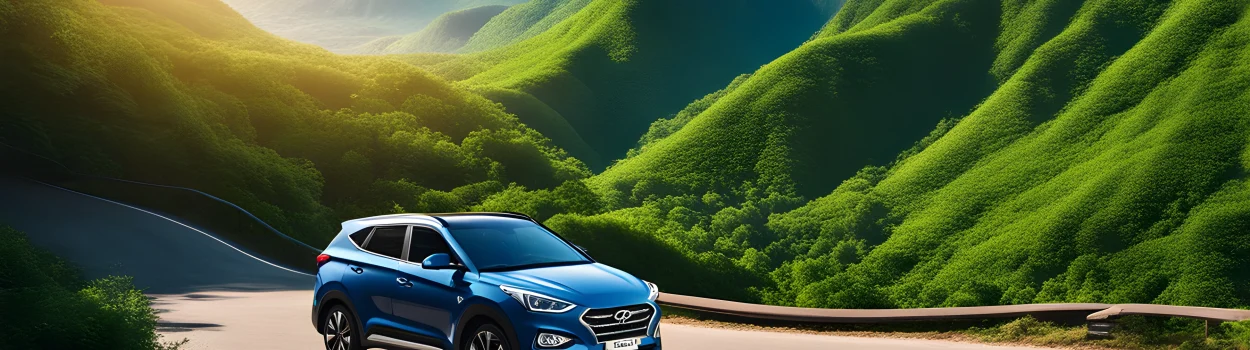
(342, 25)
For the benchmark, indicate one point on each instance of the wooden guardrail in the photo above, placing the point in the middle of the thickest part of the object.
(814, 315)
(1201, 313)
(1100, 317)
(1101, 323)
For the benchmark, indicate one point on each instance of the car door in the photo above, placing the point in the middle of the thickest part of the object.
(370, 274)
(430, 298)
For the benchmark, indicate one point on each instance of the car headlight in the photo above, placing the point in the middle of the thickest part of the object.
(655, 291)
(537, 302)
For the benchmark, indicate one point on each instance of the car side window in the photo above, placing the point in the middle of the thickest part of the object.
(426, 242)
(388, 241)
(360, 236)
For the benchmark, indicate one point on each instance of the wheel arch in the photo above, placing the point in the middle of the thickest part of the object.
(327, 301)
(478, 312)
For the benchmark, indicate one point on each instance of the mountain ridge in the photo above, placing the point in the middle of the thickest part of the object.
(447, 33)
(615, 66)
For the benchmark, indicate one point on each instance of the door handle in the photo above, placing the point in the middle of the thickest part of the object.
(356, 269)
(404, 282)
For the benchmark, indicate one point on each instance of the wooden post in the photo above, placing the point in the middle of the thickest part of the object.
(1206, 328)
(1099, 329)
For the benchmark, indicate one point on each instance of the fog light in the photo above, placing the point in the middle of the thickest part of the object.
(548, 340)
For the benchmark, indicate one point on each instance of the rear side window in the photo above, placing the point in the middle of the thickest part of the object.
(360, 236)
(424, 243)
(388, 241)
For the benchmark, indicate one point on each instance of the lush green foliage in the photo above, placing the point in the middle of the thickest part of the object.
(608, 70)
(969, 153)
(912, 153)
(1109, 167)
(188, 93)
(447, 33)
(47, 305)
(521, 22)
(1238, 333)
(1133, 332)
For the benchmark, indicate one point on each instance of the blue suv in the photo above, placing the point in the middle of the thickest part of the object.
(474, 281)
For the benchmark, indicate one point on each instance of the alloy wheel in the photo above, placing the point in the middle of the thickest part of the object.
(338, 332)
(486, 340)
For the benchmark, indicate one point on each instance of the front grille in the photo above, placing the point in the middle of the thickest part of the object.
(606, 327)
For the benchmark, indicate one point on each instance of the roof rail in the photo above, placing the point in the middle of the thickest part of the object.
(509, 214)
(517, 214)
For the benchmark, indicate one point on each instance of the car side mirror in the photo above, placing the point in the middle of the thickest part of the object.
(438, 261)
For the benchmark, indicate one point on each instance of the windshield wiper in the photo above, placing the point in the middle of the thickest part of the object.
(501, 268)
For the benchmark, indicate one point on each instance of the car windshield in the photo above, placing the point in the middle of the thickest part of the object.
(501, 244)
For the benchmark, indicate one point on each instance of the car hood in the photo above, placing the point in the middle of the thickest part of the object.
(591, 285)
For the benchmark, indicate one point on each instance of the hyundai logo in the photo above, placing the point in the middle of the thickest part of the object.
(622, 315)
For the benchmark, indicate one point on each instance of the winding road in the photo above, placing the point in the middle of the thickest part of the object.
(221, 297)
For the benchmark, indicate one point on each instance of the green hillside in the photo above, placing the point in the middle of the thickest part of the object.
(188, 93)
(905, 153)
(812, 118)
(595, 80)
(345, 25)
(1109, 166)
(447, 33)
(377, 46)
(957, 152)
(521, 22)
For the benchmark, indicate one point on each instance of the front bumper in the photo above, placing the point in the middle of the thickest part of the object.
(528, 325)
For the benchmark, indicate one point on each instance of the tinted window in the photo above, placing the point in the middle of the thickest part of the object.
(359, 236)
(496, 244)
(388, 241)
(425, 242)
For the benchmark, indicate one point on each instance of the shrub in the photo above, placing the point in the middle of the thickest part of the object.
(47, 306)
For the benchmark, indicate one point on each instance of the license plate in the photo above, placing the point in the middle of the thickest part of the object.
(624, 344)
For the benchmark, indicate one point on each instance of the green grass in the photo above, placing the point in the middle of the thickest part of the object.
(447, 33)
(47, 305)
(1133, 332)
(613, 67)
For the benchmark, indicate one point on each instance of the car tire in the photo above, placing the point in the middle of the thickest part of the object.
(487, 337)
(340, 331)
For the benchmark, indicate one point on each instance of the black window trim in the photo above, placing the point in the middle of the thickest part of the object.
(455, 258)
(374, 229)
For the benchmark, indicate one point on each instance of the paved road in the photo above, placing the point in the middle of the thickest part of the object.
(221, 298)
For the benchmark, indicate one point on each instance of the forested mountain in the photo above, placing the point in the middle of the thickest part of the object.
(905, 153)
(1110, 165)
(521, 22)
(447, 33)
(595, 80)
(344, 25)
(188, 93)
(964, 153)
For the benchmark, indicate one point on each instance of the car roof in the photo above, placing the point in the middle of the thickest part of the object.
(439, 219)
